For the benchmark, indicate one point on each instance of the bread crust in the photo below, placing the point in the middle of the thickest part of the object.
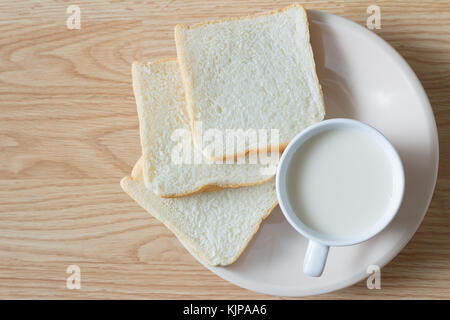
(185, 78)
(250, 16)
(210, 188)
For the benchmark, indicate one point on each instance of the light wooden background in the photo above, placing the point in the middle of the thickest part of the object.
(69, 132)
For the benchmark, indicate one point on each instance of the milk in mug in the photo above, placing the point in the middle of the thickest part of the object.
(340, 182)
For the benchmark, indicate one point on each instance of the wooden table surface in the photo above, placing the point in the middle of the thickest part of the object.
(69, 132)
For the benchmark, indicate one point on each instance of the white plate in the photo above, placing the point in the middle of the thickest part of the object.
(362, 78)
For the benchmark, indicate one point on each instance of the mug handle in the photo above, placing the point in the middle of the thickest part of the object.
(315, 258)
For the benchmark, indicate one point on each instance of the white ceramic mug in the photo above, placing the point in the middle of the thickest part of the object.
(317, 251)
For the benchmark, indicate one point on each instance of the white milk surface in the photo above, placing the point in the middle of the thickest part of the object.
(340, 182)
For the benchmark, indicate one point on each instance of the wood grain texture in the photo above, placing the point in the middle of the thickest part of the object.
(69, 132)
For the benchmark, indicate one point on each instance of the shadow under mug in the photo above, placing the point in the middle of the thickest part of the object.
(319, 244)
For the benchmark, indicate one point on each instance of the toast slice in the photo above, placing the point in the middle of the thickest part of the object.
(251, 73)
(218, 225)
(169, 170)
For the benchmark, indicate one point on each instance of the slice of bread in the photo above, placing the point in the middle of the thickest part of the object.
(256, 72)
(218, 225)
(164, 124)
